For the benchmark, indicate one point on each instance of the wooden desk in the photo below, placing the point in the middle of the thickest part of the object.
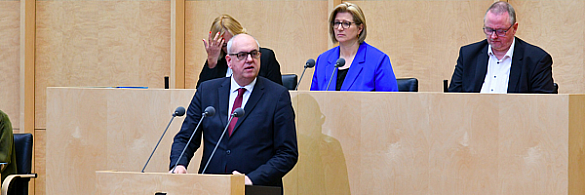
(358, 143)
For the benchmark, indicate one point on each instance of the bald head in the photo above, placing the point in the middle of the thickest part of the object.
(241, 36)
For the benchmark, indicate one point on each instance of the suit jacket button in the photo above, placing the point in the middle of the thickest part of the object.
(228, 152)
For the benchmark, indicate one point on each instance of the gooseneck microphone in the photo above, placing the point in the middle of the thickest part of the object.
(180, 111)
(310, 64)
(209, 111)
(340, 62)
(239, 112)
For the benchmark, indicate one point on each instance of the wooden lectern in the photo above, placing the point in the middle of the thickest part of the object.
(114, 182)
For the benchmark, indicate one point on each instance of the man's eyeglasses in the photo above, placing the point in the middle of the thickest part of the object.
(243, 55)
(489, 31)
(342, 24)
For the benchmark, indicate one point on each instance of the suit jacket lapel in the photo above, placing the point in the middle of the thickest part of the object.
(224, 97)
(482, 64)
(255, 97)
(329, 73)
(355, 69)
(516, 68)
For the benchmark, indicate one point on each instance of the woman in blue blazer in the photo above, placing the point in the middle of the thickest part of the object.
(366, 68)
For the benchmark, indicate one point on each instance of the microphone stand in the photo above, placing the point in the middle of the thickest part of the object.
(188, 142)
(216, 145)
(340, 62)
(297, 87)
(310, 64)
(174, 115)
(331, 79)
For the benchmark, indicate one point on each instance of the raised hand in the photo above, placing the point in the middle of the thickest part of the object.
(213, 48)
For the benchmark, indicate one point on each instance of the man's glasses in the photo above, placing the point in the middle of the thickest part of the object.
(342, 24)
(243, 55)
(489, 31)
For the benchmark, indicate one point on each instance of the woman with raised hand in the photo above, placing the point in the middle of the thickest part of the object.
(222, 30)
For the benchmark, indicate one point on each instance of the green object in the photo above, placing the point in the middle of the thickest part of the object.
(7, 150)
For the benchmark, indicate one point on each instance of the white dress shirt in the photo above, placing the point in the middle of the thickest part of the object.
(234, 93)
(498, 71)
(229, 72)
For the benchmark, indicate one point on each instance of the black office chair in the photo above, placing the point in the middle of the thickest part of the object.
(289, 81)
(17, 184)
(556, 90)
(407, 84)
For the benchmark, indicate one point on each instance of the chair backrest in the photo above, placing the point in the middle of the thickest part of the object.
(407, 84)
(289, 81)
(23, 143)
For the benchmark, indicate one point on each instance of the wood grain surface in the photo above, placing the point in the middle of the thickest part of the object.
(349, 143)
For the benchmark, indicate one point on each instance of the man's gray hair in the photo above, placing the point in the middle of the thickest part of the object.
(501, 7)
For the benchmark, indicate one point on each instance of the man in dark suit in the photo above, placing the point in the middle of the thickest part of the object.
(262, 144)
(502, 63)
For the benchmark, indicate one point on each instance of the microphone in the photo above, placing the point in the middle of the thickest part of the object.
(209, 111)
(180, 111)
(310, 64)
(239, 112)
(340, 62)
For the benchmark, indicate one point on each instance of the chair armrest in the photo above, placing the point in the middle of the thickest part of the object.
(9, 179)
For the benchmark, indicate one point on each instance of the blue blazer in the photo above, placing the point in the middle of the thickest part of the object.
(531, 70)
(263, 144)
(370, 71)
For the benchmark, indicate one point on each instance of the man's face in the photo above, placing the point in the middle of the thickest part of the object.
(244, 59)
(500, 22)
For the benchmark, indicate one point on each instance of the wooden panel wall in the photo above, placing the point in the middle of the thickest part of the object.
(100, 43)
(576, 165)
(10, 60)
(97, 43)
(349, 143)
(295, 30)
(557, 27)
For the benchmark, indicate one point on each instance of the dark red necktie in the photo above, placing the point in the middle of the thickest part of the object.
(237, 104)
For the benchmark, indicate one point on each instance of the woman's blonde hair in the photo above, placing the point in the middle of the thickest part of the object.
(358, 18)
(226, 22)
